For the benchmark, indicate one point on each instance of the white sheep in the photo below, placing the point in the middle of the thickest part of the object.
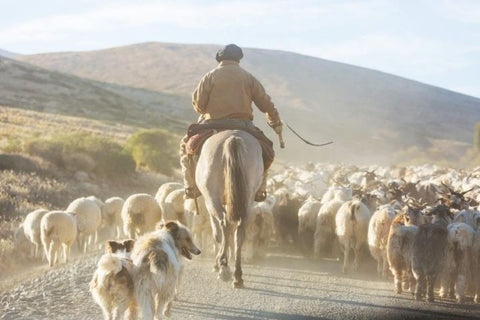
(351, 227)
(307, 220)
(199, 224)
(258, 233)
(31, 228)
(163, 192)
(457, 260)
(399, 252)
(88, 216)
(98, 201)
(22, 245)
(112, 213)
(340, 192)
(325, 224)
(476, 262)
(58, 229)
(173, 206)
(378, 230)
(140, 213)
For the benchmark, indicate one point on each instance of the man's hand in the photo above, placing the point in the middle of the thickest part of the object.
(277, 127)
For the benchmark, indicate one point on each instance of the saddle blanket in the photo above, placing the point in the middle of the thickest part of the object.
(196, 141)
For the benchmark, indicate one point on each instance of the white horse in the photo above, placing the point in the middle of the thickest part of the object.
(229, 172)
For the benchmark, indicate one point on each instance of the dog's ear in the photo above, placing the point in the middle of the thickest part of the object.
(172, 227)
(129, 244)
(112, 246)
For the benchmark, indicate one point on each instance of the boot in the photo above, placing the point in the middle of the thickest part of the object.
(261, 194)
(188, 165)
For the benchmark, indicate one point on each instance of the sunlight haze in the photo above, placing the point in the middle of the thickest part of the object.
(435, 42)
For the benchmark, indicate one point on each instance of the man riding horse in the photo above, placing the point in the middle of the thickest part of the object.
(223, 98)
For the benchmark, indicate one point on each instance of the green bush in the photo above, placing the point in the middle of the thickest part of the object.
(476, 137)
(80, 151)
(154, 149)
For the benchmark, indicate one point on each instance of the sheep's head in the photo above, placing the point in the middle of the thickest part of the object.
(370, 175)
(409, 187)
(370, 200)
(454, 199)
(394, 193)
(414, 212)
(414, 216)
(441, 214)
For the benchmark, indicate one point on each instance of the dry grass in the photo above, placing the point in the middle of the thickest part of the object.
(28, 183)
(18, 124)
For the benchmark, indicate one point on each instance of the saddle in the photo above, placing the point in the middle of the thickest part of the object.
(198, 133)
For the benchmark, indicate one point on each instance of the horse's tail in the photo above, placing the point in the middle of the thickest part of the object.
(235, 183)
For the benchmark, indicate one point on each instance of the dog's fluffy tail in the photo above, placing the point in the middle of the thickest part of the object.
(110, 264)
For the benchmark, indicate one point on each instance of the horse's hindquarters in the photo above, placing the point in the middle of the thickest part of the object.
(229, 172)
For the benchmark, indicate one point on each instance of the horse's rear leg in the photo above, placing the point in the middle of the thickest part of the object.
(239, 238)
(222, 257)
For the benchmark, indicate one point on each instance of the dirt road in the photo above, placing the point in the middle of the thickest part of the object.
(281, 287)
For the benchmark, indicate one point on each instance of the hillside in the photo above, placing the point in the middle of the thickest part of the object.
(29, 87)
(369, 114)
(7, 54)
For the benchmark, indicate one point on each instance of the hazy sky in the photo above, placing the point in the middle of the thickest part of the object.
(432, 41)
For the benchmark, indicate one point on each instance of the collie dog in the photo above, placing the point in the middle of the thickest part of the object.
(157, 267)
(112, 284)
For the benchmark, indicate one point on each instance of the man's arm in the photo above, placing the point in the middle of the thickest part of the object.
(201, 94)
(264, 103)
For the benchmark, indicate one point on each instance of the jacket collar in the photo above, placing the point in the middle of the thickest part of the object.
(228, 63)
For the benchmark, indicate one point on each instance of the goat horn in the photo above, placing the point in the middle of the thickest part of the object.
(464, 192)
(446, 186)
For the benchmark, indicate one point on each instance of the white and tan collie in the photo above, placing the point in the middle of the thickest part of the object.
(157, 267)
(112, 284)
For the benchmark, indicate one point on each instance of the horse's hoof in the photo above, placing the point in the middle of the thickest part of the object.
(238, 284)
(215, 269)
(225, 274)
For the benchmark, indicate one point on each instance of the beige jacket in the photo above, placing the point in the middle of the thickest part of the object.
(227, 92)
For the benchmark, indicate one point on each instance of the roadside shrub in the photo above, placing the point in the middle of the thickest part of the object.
(17, 162)
(85, 152)
(154, 149)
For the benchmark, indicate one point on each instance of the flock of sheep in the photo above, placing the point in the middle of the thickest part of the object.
(419, 223)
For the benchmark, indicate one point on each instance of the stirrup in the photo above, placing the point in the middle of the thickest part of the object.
(191, 193)
(260, 196)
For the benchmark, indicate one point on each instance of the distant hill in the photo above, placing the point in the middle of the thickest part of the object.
(370, 115)
(8, 54)
(29, 87)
